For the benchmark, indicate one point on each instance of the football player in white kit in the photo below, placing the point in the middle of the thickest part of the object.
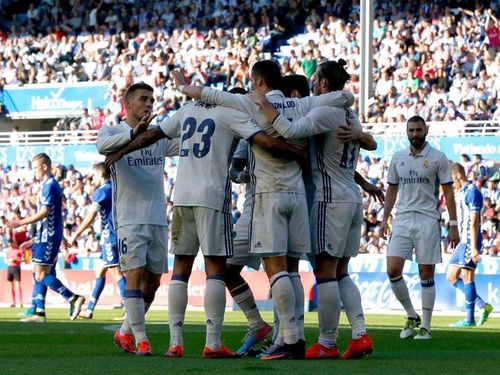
(202, 213)
(415, 174)
(139, 213)
(337, 213)
(279, 235)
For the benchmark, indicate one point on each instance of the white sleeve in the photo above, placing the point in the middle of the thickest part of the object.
(444, 170)
(111, 139)
(242, 125)
(172, 147)
(341, 99)
(171, 127)
(317, 121)
(226, 99)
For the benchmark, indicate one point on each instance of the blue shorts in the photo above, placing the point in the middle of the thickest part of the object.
(461, 257)
(109, 254)
(45, 253)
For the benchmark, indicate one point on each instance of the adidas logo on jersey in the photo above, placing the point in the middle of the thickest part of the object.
(257, 245)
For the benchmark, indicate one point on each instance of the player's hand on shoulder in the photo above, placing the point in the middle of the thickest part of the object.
(347, 133)
(257, 97)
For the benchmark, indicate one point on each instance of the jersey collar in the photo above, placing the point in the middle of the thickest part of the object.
(275, 93)
(423, 153)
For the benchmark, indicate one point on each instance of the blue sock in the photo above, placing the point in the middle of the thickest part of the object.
(122, 281)
(459, 284)
(470, 299)
(39, 292)
(56, 285)
(100, 282)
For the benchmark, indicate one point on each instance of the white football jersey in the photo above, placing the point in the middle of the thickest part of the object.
(138, 193)
(333, 163)
(418, 178)
(272, 173)
(209, 135)
(242, 152)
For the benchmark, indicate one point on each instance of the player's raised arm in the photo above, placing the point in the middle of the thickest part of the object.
(339, 99)
(109, 141)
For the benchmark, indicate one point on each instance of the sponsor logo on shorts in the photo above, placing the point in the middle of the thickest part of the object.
(257, 245)
(329, 247)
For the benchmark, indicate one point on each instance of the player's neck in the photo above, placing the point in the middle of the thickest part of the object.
(417, 151)
(131, 121)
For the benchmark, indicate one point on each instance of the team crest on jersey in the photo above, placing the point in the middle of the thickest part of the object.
(426, 164)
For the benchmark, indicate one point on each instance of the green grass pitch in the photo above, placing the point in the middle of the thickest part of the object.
(86, 347)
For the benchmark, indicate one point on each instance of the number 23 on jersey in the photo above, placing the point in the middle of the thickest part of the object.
(206, 129)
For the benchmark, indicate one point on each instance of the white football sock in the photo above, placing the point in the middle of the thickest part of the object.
(351, 299)
(428, 298)
(298, 290)
(284, 302)
(134, 306)
(244, 298)
(400, 290)
(215, 306)
(177, 302)
(328, 311)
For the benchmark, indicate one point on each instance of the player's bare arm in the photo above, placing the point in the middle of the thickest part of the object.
(390, 200)
(453, 236)
(89, 218)
(180, 84)
(474, 225)
(42, 214)
(237, 171)
(279, 148)
(348, 133)
(143, 140)
(371, 189)
(260, 99)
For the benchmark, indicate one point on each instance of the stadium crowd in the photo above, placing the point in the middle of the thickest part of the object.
(18, 192)
(436, 59)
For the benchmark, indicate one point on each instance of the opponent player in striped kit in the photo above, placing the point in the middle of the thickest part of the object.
(102, 204)
(48, 237)
(202, 216)
(464, 259)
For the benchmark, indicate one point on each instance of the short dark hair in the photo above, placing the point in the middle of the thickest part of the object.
(101, 168)
(238, 90)
(416, 118)
(138, 86)
(335, 73)
(44, 158)
(269, 71)
(295, 82)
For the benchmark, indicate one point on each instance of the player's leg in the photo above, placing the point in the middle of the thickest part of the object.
(427, 238)
(134, 242)
(283, 297)
(298, 290)
(426, 272)
(244, 298)
(350, 297)
(185, 246)
(44, 257)
(10, 279)
(215, 233)
(19, 288)
(177, 303)
(100, 282)
(400, 248)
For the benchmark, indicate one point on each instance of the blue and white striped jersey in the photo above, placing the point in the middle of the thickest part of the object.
(469, 200)
(102, 202)
(50, 228)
